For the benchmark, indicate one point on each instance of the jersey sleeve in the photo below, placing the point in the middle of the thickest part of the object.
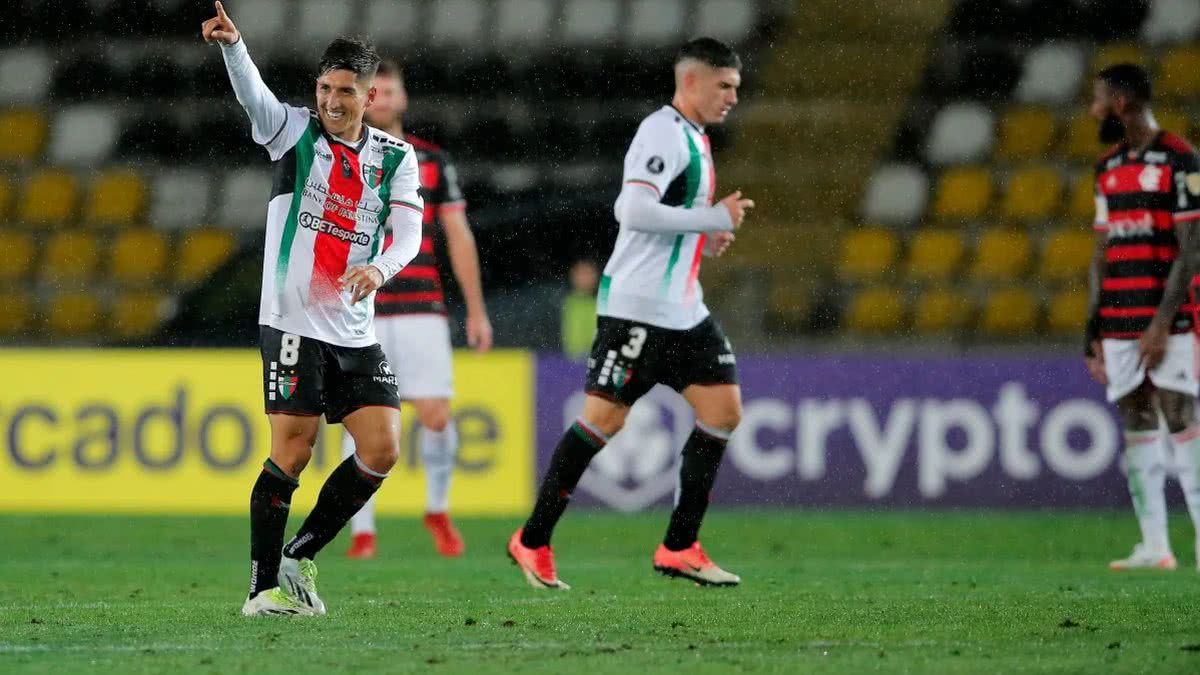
(1187, 188)
(274, 125)
(655, 156)
(405, 213)
(1100, 222)
(448, 195)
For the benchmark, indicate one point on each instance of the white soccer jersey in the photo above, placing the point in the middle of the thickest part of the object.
(652, 275)
(329, 207)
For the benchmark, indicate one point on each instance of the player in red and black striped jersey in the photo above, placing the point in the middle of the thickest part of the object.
(411, 323)
(1140, 343)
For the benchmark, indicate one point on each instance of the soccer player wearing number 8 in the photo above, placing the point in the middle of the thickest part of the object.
(339, 185)
(653, 326)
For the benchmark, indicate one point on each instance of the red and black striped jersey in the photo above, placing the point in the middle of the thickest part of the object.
(417, 289)
(1140, 198)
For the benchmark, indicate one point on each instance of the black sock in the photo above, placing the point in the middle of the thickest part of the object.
(344, 493)
(571, 458)
(701, 457)
(270, 500)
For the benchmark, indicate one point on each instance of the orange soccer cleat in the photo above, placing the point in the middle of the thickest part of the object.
(446, 538)
(692, 563)
(362, 546)
(536, 563)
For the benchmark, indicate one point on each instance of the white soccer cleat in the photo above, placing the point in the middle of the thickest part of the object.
(1144, 558)
(274, 602)
(299, 578)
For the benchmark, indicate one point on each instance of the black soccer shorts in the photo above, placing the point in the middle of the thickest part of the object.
(303, 376)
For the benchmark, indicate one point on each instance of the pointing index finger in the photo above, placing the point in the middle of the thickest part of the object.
(221, 11)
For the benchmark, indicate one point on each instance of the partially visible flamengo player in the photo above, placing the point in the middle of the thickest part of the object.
(410, 320)
(1139, 339)
(653, 326)
(337, 184)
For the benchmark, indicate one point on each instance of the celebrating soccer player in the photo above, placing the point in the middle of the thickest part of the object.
(653, 326)
(1139, 341)
(411, 322)
(338, 185)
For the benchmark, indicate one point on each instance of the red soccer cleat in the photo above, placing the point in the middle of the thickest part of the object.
(362, 546)
(692, 563)
(536, 563)
(446, 538)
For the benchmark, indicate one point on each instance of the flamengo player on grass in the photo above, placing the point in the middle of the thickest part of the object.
(1139, 340)
(410, 320)
(338, 184)
(652, 325)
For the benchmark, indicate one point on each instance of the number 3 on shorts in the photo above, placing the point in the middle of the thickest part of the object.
(637, 338)
(289, 350)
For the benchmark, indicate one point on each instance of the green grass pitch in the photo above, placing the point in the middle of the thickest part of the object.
(843, 592)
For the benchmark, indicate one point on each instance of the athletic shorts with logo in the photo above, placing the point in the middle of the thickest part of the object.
(1177, 372)
(419, 349)
(628, 358)
(303, 376)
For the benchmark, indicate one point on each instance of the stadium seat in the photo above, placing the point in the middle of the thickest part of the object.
(875, 310)
(1032, 194)
(395, 22)
(730, 21)
(16, 312)
(139, 257)
(136, 314)
(323, 20)
(266, 20)
(7, 195)
(49, 197)
(963, 193)
(243, 196)
(522, 22)
(73, 315)
(117, 197)
(896, 194)
(1081, 205)
(935, 255)
(1025, 134)
(1003, 254)
(590, 22)
(789, 303)
(24, 131)
(18, 251)
(70, 257)
(25, 75)
(1009, 312)
(83, 134)
(655, 22)
(1067, 254)
(868, 254)
(200, 252)
(939, 310)
(1178, 74)
(961, 133)
(1052, 74)
(1112, 54)
(1082, 142)
(1171, 21)
(1173, 120)
(179, 198)
(1067, 311)
(458, 22)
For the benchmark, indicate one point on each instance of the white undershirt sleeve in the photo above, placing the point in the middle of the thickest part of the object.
(638, 209)
(273, 124)
(407, 211)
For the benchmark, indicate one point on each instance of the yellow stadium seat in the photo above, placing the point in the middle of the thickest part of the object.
(1009, 312)
(1026, 133)
(24, 132)
(1067, 311)
(70, 257)
(138, 257)
(868, 253)
(1179, 74)
(1033, 194)
(1081, 205)
(116, 198)
(73, 314)
(49, 197)
(876, 310)
(1082, 141)
(963, 193)
(1002, 254)
(1173, 120)
(938, 310)
(200, 252)
(1068, 254)
(1112, 54)
(135, 315)
(935, 255)
(6, 195)
(18, 252)
(15, 312)
(789, 303)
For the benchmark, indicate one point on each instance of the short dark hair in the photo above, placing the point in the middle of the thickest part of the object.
(389, 68)
(710, 51)
(1129, 79)
(357, 55)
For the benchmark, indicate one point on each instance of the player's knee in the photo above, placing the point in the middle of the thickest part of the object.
(726, 419)
(379, 454)
(436, 418)
(1179, 411)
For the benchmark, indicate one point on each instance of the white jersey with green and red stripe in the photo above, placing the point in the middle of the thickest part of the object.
(653, 273)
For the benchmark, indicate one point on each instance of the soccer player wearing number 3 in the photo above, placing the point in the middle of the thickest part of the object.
(653, 326)
(339, 185)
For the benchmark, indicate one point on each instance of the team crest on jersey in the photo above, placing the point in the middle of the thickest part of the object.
(621, 376)
(372, 175)
(287, 386)
(1149, 178)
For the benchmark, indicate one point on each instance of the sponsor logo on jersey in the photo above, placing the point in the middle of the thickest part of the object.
(347, 172)
(312, 222)
(1124, 228)
(727, 359)
(1155, 157)
(385, 375)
